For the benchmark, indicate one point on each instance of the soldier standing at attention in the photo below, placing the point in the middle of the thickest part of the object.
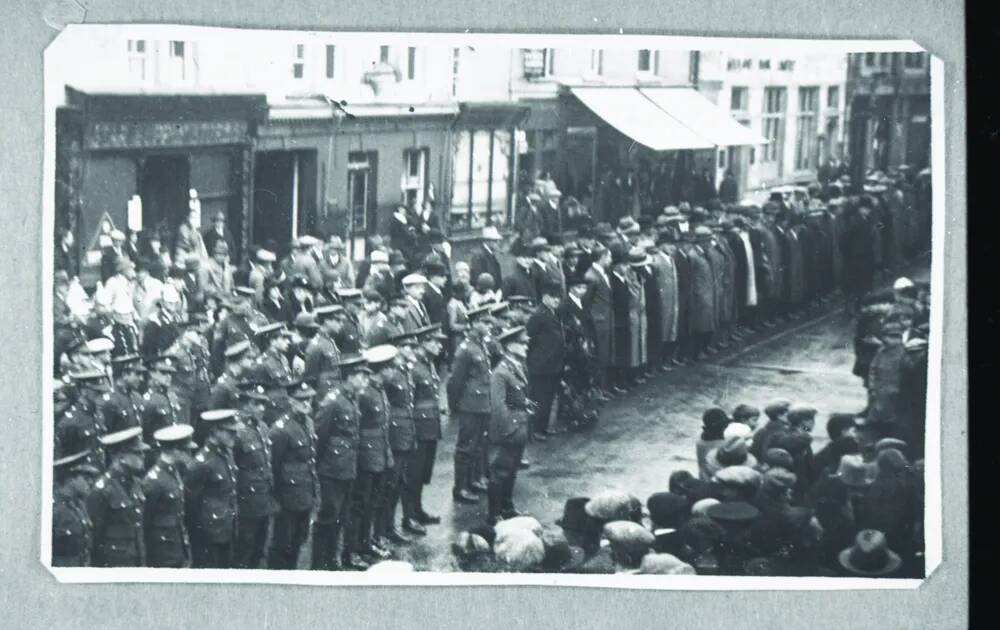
(122, 408)
(82, 423)
(349, 338)
(210, 491)
(163, 523)
(508, 423)
(72, 530)
(427, 418)
(322, 354)
(160, 407)
(272, 368)
(398, 384)
(254, 479)
(374, 454)
(239, 361)
(469, 400)
(116, 501)
(337, 422)
(293, 460)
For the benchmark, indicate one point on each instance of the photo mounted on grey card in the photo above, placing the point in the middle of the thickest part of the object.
(363, 308)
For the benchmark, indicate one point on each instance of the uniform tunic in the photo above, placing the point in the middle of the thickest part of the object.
(72, 530)
(321, 357)
(164, 526)
(115, 507)
(210, 490)
(426, 419)
(78, 429)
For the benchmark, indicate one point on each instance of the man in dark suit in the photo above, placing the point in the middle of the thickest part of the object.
(485, 260)
(526, 277)
(435, 302)
(546, 350)
(217, 232)
(597, 302)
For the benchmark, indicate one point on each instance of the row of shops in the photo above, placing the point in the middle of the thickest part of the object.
(282, 168)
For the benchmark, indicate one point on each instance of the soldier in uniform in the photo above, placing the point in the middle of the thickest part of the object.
(122, 407)
(398, 384)
(322, 354)
(293, 460)
(210, 493)
(160, 406)
(374, 454)
(237, 326)
(82, 423)
(385, 329)
(337, 439)
(254, 478)
(427, 419)
(469, 401)
(272, 369)
(191, 382)
(116, 502)
(163, 523)
(349, 339)
(72, 530)
(508, 429)
(239, 361)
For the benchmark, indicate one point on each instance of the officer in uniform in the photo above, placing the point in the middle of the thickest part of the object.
(210, 493)
(160, 406)
(236, 327)
(239, 361)
(123, 407)
(508, 428)
(374, 454)
(385, 329)
(72, 530)
(398, 384)
(191, 382)
(337, 425)
(349, 338)
(115, 504)
(272, 368)
(322, 354)
(163, 523)
(82, 423)
(469, 400)
(427, 418)
(254, 478)
(293, 460)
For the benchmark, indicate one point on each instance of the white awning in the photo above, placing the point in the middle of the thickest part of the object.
(636, 116)
(703, 116)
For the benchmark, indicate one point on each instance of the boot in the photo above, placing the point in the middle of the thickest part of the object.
(410, 523)
(354, 562)
(460, 492)
(422, 516)
(478, 486)
(321, 555)
(507, 501)
(495, 498)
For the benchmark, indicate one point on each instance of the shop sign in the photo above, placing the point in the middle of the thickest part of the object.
(155, 134)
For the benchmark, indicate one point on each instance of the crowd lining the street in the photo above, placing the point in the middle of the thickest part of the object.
(214, 416)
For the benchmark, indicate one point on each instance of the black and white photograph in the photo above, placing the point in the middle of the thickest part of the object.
(345, 307)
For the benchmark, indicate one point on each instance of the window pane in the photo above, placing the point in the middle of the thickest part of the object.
(140, 45)
(411, 63)
(177, 49)
(297, 70)
(300, 51)
(331, 57)
(383, 54)
(869, 59)
(643, 61)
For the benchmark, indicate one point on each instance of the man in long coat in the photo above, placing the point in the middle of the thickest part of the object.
(598, 302)
(703, 318)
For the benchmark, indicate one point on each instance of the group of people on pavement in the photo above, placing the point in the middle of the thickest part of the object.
(209, 415)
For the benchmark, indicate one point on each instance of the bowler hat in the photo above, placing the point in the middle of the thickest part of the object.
(870, 555)
(574, 516)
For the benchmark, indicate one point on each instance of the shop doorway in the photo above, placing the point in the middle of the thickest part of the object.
(284, 198)
(164, 184)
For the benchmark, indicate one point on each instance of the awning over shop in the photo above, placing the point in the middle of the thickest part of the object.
(636, 116)
(702, 116)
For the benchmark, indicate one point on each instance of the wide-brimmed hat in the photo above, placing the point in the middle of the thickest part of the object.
(870, 555)
(734, 512)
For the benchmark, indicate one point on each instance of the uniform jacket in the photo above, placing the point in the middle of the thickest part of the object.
(485, 260)
(426, 416)
(160, 408)
(321, 358)
(78, 429)
(469, 383)
(293, 460)
(158, 334)
(125, 338)
(115, 507)
(72, 530)
(164, 525)
(509, 404)
(272, 369)
(399, 392)
(337, 435)
(254, 478)
(374, 454)
(546, 342)
(210, 491)
(122, 410)
(349, 339)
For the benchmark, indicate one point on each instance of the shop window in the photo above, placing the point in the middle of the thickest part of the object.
(774, 123)
(482, 179)
(414, 184)
(299, 64)
(137, 58)
(331, 61)
(361, 190)
(870, 60)
(805, 139)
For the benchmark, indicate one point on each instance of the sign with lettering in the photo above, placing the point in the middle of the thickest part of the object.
(534, 63)
(155, 134)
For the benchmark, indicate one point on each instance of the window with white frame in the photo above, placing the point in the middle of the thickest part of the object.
(833, 97)
(739, 104)
(414, 184)
(870, 60)
(597, 62)
(411, 63)
(176, 62)
(137, 59)
(774, 123)
(482, 178)
(331, 61)
(383, 54)
(299, 61)
(805, 134)
(648, 61)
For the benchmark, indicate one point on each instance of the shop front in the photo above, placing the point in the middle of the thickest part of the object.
(134, 162)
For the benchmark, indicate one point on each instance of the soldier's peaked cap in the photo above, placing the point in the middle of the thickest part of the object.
(300, 389)
(237, 349)
(126, 439)
(175, 433)
(219, 417)
(269, 330)
(328, 311)
(512, 335)
(353, 363)
(378, 355)
(67, 461)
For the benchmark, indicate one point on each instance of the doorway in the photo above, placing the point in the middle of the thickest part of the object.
(164, 184)
(284, 198)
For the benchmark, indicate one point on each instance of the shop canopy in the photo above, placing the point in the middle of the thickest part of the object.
(702, 116)
(630, 112)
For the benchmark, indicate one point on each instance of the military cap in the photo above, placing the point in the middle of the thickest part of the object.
(265, 256)
(479, 311)
(497, 308)
(125, 440)
(87, 375)
(252, 390)
(300, 389)
(512, 335)
(220, 418)
(269, 330)
(408, 338)
(414, 279)
(732, 512)
(353, 363)
(516, 300)
(377, 356)
(237, 349)
(329, 311)
(162, 363)
(244, 292)
(66, 462)
(426, 333)
(126, 360)
(175, 434)
(306, 321)
(700, 507)
(349, 294)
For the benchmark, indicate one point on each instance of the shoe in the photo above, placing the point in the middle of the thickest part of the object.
(539, 437)
(376, 551)
(427, 519)
(524, 464)
(355, 562)
(397, 537)
(413, 527)
(666, 367)
(478, 487)
(464, 496)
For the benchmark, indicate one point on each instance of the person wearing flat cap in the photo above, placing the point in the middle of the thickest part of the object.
(261, 268)
(510, 416)
(72, 530)
(414, 287)
(293, 462)
(301, 262)
(255, 498)
(164, 524)
(337, 443)
(115, 504)
(210, 493)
